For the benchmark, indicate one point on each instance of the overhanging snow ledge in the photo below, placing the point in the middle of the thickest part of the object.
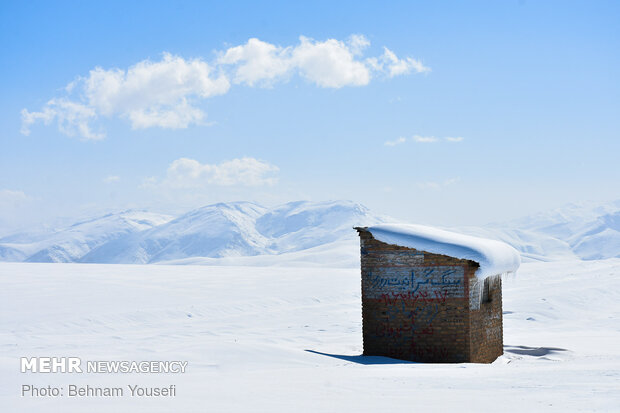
(494, 257)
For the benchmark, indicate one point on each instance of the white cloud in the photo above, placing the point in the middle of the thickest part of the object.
(9, 198)
(189, 173)
(175, 117)
(154, 93)
(392, 66)
(167, 93)
(257, 62)
(424, 139)
(148, 94)
(72, 118)
(397, 67)
(111, 179)
(395, 142)
(330, 63)
(357, 43)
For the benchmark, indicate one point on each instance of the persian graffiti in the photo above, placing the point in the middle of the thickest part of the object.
(427, 307)
(403, 319)
(410, 305)
(446, 281)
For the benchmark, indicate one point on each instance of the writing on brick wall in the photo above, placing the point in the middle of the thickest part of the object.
(409, 283)
(426, 307)
(409, 302)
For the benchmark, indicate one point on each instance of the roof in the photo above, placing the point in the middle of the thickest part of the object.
(494, 257)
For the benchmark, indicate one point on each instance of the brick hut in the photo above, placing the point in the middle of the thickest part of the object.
(430, 295)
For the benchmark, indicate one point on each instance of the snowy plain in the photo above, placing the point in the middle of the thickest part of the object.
(271, 339)
(264, 305)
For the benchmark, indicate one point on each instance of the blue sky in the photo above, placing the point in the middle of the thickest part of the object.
(527, 91)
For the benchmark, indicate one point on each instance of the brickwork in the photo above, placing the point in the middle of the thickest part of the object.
(426, 307)
(485, 323)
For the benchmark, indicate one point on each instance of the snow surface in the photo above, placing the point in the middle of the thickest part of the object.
(494, 257)
(289, 339)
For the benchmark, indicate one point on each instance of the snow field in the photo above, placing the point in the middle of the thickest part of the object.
(289, 339)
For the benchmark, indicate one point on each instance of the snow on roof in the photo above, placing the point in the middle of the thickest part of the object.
(494, 257)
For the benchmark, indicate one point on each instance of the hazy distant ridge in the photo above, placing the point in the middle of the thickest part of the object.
(222, 230)
(243, 230)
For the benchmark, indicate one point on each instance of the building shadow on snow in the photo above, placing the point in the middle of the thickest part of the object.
(532, 351)
(361, 359)
(371, 360)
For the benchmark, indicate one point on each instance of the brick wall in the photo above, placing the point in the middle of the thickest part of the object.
(485, 322)
(425, 307)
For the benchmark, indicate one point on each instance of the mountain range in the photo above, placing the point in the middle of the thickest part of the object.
(584, 231)
(309, 233)
(233, 229)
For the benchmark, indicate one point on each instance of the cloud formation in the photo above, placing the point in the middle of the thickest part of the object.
(185, 173)
(10, 198)
(395, 142)
(390, 64)
(423, 139)
(111, 179)
(147, 94)
(72, 118)
(167, 93)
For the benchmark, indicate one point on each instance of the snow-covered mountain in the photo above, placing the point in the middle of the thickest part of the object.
(300, 225)
(225, 232)
(222, 230)
(212, 231)
(576, 231)
(72, 243)
(587, 231)
(591, 231)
